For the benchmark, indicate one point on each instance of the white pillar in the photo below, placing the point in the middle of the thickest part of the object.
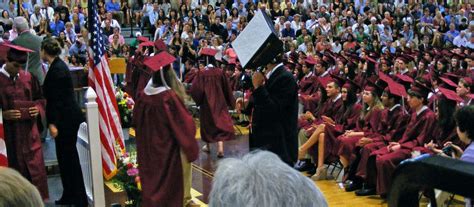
(95, 147)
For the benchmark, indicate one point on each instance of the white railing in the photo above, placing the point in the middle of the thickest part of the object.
(89, 149)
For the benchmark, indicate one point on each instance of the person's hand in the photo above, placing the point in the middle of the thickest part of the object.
(34, 111)
(431, 145)
(393, 146)
(53, 130)
(328, 120)
(364, 141)
(457, 150)
(11, 114)
(258, 79)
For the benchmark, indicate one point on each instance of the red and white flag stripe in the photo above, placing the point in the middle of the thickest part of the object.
(109, 122)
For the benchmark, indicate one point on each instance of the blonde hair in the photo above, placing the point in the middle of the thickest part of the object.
(15, 190)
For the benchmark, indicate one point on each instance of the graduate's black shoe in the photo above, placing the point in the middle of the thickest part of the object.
(305, 165)
(365, 191)
(352, 186)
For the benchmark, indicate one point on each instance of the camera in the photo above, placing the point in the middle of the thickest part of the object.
(448, 150)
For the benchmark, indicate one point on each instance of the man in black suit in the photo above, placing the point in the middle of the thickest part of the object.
(227, 33)
(201, 18)
(274, 120)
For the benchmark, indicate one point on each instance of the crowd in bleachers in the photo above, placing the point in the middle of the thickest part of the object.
(355, 62)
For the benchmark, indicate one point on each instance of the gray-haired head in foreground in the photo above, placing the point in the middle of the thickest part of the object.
(262, 179)
(15, 190)
(21, 24)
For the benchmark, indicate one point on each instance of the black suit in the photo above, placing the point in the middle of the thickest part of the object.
(63, 111)
(203, 19)
(274, 120)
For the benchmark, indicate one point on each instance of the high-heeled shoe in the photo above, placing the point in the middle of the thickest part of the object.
(220, 155)
(321, 174)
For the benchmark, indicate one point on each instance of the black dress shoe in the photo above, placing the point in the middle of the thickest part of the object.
(305, 165)
(365, 191)
(352, 186)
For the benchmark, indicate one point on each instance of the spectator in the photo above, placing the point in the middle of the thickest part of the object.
(32, 42)
(44, 29)
(79, 49)
(113, 7)
(108, 29)
(143, 15)
(47, 11)
(115, 49)
(35, 18)
(254, 180)
(114, 23)
(460, 40)
(64, 47)
(12, 9)
(117, 32)
(288, 33)
(76, 23)
(62, 10)
(451, 34)
(81, 16)
(16, 190)
(70, 34)
(57, 25)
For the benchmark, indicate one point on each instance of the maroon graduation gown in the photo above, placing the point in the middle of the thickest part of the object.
(210, 90)
(189, 77)
(163, 127)
(346, 122)
(371, 123)
(23, 137)
(419, 131)
(140, 75)
(329, 108)
(392, 126)
(308, 85)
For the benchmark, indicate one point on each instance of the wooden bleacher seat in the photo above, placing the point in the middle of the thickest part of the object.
(117, 65)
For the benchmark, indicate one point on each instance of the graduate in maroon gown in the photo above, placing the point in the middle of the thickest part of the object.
(382, 163)
(23, 106)
(393, 121)
(446, 126)
(165, 131)
(308, 85)
(367, 124)
(325, 136)
(138, 74)
(212, 93)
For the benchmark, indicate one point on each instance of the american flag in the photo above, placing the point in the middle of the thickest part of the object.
(101, 81)
(3, 147)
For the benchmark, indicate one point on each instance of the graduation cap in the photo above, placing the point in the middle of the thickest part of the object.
(350, 84)
(160, 45)
(258, 44)
(143, 39)
(371, 86)
(419, 89)
(324, 81)
(159, 61)
(404, 79)
(208, 52)
(338, 79)
(16, 53)
(396, 89)
(450, 95)
(146, 44)
(448, 83)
